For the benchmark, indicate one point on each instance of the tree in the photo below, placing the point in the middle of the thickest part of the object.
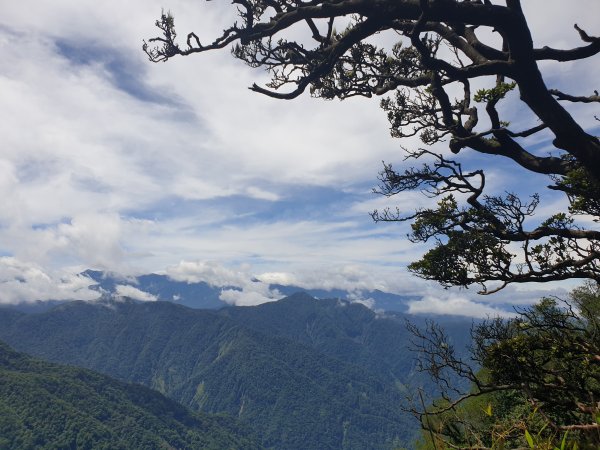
(443, 50)
(538, 372)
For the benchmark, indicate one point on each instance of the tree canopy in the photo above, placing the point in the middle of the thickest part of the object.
(451, 64)
(539, 375)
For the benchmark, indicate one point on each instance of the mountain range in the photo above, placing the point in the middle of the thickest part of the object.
(207, 296)
(302, 373)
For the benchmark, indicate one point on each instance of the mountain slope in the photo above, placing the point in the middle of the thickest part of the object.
(293, 396)
(44, 405)
(350, 332)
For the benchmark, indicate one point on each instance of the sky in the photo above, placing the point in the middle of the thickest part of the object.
(111, 162)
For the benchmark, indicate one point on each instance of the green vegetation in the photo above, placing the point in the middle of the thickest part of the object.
(539, 382)
(48, 406)
(291, 394)
(349, 332)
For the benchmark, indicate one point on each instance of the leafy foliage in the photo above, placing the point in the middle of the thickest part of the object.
(539, 380)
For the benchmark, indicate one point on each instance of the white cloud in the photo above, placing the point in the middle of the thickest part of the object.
(352, 278)
(261, 194)
(210, 272)
(368, 302)
(528, 294)
(98, 156)
(455, 305)
(111, 162)
(349, 277)
(247, 290)
(125, 290)
(27, 282)
(282, 278)
(249, 297)
(89, 237)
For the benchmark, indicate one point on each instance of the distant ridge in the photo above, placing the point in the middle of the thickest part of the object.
(202, 295)
(199, 295)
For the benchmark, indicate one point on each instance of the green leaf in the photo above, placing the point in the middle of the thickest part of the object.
(529, 439)
(563, 444)
(488, 410)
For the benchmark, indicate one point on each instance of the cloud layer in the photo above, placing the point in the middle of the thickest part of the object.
(110, 162)
(20, 282)
(456, 306)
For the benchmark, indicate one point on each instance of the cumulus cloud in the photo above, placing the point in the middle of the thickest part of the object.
(26, 282)
(354, 278)
(248, 296)
(125, 290)
(210, 272)
(91, 167)
(282, 278)
(455, 306)
(241, 288)
(348, 277)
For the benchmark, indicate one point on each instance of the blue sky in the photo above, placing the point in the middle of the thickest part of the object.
(110, 162)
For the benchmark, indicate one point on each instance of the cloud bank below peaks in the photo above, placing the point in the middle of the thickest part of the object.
(27, 282)
(455, 305)
(242, 286)
(126, 290)
(239, 287)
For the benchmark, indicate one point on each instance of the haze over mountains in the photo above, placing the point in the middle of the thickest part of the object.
(302, 373)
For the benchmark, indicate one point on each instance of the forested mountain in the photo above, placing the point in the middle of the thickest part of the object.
(348, 331)
(294, 393)
(45, 405)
